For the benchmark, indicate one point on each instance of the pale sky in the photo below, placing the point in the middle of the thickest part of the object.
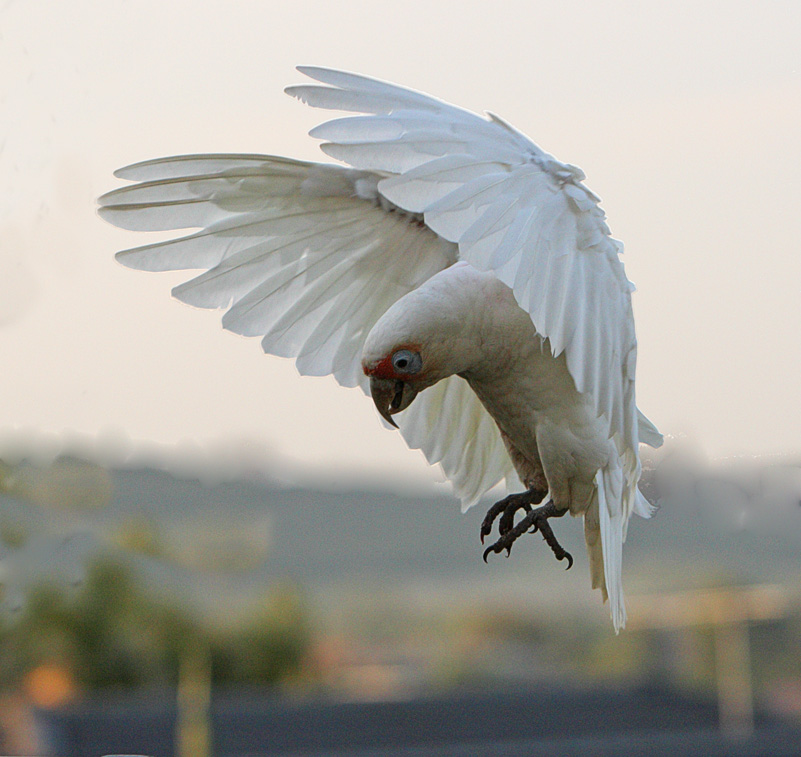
(685, 116)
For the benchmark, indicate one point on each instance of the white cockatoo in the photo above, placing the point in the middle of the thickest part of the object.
(454, 260)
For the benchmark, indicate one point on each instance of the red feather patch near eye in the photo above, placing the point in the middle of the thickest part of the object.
(384, 368)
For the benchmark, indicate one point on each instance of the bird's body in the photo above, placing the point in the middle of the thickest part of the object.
(555, 439)
(454, 262)
(470, 322)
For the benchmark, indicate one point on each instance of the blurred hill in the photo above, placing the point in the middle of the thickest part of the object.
(234, 536)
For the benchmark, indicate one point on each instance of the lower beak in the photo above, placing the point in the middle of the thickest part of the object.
(391, 397)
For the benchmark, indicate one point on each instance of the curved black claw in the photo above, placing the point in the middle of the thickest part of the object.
(508, 539)
(497, 547)
(489, 519)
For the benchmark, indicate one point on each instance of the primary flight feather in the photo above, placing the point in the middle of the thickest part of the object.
(455, 271)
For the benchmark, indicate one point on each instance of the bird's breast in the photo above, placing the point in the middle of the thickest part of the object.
(532, 397)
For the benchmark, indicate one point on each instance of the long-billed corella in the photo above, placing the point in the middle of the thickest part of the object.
(458, 273)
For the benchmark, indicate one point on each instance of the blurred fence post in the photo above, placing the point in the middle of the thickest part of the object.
(193, 725)
(733, 674)
(728, 611)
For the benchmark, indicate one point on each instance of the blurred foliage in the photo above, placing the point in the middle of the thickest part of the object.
(13, 533)
(139, 535)
(114, 633)
(270, 647)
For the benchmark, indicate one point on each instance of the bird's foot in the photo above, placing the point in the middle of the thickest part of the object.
(536, 519)
(507, 508)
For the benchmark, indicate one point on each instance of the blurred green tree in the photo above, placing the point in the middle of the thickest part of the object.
(114, 633)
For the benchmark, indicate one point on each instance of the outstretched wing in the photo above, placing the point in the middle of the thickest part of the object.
(307, 257)
(304, 255)
(511, 208)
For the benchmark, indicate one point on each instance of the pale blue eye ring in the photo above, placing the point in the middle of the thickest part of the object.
(406, 361)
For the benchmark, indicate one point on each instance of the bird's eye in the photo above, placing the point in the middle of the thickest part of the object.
(406, 361)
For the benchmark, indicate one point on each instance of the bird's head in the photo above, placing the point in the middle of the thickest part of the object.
(395, 379)
(420, 340)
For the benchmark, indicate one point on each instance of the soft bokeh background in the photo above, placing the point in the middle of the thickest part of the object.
(685, 117)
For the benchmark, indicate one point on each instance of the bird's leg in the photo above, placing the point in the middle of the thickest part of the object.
(534, 520)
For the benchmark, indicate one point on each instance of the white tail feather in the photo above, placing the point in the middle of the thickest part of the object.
(592, 537)
(609, 483)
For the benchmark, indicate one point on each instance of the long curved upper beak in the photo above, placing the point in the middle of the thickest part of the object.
(390, 397)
